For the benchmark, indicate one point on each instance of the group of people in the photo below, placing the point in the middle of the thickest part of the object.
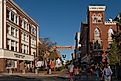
(74, 70)
(101, 73)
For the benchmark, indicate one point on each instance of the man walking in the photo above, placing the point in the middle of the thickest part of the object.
(107, 72)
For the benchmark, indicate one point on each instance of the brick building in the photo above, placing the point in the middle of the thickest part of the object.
(18, 36)
(77, 46)
(96, 34)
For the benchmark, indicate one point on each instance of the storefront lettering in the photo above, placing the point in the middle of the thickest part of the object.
(19, 56)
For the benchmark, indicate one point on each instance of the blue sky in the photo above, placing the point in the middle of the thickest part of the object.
(59, 20)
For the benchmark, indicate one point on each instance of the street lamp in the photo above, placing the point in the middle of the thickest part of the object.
(64, 56)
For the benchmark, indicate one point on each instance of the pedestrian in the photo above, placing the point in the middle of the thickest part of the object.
(71, 69)
(90, 71)
(48, 67)
(76, 73)
(118, 71)
(107, 72)
(98, 72)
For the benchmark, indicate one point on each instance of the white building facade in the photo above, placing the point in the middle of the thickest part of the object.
(18, 36)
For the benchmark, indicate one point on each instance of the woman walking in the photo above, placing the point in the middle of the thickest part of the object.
(71, 68)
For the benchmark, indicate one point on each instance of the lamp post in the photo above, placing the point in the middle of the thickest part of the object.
(64, 56)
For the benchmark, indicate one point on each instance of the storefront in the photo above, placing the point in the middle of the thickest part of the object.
(15, 61)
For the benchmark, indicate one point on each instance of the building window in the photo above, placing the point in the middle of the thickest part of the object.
(16, 33)
(27, 37)
(9, 30)
(24, 36)
(12, 31)
(8, 44)
(94, 18)
(12, 15)
(11, 64)
(97, 39)
(7, 15)
(96, 34)
(12, 45)
(110, 33)
(25, 24)
(27, 49)
(33, 30)
(97, 45)
(99, 17)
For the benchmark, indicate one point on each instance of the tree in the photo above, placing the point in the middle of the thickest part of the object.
(46, 49)
(114, 55)
(115, 52)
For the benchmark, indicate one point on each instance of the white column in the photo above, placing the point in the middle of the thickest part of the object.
(17, 33)
(5, 25)
(17, 20)
(9, 44)
(14, 32)
(21, 36)
(10, 15)
(28, 49)
(22, 24)
(22, 48)
(10, 30)
(14, 46)
(17, 47)
(14, 18)
(1, 23)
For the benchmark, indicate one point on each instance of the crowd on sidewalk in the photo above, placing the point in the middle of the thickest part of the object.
(93, 72)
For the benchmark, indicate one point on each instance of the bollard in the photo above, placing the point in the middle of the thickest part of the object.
(10, 71)
(23, 71)
(49, 71)
(36, 71)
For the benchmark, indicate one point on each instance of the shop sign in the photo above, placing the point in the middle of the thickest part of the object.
(19, 56)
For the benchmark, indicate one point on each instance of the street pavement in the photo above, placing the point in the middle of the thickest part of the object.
(43, 76)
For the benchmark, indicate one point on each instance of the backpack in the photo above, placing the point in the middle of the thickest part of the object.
(107, 72)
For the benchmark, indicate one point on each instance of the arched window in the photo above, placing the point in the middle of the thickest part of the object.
(12, 15)
(94, 18)
(99, 18)
(97, 40)
(97, 33)
(110, 32)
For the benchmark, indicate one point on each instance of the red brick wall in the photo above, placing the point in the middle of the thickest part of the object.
(2, 65)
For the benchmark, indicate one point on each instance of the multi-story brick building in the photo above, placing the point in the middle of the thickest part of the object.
(18, 36)
(96, 35)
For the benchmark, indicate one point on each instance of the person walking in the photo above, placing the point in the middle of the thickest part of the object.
(76, 73)
(71, 69)
(97, 71)
(118, 71)
(107, 72)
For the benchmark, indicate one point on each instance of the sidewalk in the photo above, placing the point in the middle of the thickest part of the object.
(43, 74)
